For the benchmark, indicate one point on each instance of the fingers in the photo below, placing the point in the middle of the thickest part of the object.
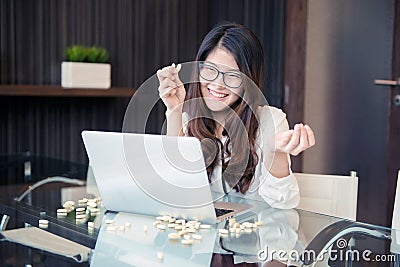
(295, 141)
(311, 136)
(303, 142)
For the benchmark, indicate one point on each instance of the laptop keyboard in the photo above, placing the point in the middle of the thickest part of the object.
(220, 212)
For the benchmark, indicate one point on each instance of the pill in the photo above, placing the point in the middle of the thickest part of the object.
(238, 230)
(236, 225)
(80, 216)
(191, 230)
(174, 236)
(172, 220)
(80, 209)
(61, 210)
(92, 204)
(205, 226)
(183, 232)
(187, 241)
(43, 222)
(90, 224)
(232, 220)
(156, 222)
(160, 218)
(161, 226)
(166, 218)
(247, 225)
(69, 203)
(178, 67)
(173, 65)
(223, 235)
(259, 223)
(43, 226)
(171, 225)
(122, 228)
(223, 231)
(179, 227)
(232, 229)
(109, 221)
(242, 227)
(111, 228)
(160, 255)
(186, 236)
(180, 221)
(61, 214)
(127, 225)
(197, 237)
(231, 224)
(248, 230)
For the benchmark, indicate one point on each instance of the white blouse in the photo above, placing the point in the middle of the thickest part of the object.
(280, 193)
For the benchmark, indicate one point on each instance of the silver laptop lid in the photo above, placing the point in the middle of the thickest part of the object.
(150, 174)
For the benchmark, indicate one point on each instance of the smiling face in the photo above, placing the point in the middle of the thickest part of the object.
(217, 95)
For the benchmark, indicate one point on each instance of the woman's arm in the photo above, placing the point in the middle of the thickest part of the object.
(172, 93)
(174, 122)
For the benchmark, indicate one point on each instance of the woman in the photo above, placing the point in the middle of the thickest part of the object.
(246, 146)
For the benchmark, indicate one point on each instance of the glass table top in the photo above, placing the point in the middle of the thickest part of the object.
(122, 239)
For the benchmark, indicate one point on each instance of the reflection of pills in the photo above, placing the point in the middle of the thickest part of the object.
(128, 225)
(187, 241)
(174, 236)
(160, 255)
(108, 221)
(197, 237)
(91, 224)
(156, 222)
(145, 229)
(111, 228)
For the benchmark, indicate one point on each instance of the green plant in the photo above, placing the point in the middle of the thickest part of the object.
(93, 54)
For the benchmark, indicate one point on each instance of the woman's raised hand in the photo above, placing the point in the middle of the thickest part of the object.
(171, 89)
(295, 141)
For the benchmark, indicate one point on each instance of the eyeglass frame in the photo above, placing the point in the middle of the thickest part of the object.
(201, 64)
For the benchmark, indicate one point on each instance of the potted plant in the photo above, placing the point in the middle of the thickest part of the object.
(86, 67)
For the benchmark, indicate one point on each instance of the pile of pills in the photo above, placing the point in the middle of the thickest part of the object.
(82, 210)
(186, 231)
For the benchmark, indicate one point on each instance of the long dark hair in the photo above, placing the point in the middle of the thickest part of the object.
(248, 54)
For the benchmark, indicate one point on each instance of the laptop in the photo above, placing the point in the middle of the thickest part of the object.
(155, 175)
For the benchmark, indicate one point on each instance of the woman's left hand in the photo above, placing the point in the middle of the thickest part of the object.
(295, 141)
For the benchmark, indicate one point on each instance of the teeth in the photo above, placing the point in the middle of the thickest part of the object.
(217, 94)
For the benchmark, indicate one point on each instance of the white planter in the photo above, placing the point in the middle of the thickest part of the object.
(85, 75)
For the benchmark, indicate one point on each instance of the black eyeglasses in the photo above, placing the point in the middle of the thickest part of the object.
(231, 79)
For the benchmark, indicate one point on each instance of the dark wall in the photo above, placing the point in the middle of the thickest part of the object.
(141, 37)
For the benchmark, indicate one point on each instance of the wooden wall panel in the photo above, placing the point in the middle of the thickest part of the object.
(141, 37)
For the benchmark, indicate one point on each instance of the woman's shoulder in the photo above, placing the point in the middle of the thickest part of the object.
(267, 112)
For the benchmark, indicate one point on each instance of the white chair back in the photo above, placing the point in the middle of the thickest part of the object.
(333, 195)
